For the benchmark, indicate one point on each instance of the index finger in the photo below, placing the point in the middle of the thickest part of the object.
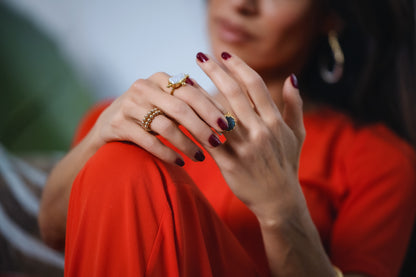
(253, 84)
(230, 88)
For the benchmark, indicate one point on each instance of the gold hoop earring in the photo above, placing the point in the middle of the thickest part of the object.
(334, 75)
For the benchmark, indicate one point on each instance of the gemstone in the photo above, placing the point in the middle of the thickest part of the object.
(231, 122)
(178, 78)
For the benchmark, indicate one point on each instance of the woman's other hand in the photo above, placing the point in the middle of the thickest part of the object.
(189, 106)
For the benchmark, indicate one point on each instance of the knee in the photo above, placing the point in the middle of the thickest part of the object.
(121, 158)
(122, 172)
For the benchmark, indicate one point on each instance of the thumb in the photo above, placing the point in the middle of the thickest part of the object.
(292, 111)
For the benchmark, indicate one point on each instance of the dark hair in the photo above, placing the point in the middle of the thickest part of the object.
(379, 80)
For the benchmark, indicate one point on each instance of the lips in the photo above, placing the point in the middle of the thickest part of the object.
(231, 32)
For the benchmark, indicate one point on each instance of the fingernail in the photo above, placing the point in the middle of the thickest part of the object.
(199, 156)
(189, 81)
(214, 140)
(179, 162)
(294, 80)
(225, 55)
(222, 123)
(202, 57)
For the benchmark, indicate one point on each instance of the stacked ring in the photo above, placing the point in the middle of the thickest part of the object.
(177, 81)
(148, 118)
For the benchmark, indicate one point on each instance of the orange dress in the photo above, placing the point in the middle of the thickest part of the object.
(131, 214)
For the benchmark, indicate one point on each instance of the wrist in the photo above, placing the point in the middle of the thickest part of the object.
(282, 212)
(92, 141)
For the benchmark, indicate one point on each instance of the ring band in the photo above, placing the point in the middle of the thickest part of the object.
(148, 118)
(177, 81)
(232, 122)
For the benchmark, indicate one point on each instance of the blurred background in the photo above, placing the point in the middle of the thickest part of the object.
(58, 58)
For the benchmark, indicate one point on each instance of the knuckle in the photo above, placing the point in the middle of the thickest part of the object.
(229, 165)
(158, 75)
(114, 120)
(140, 84)
(166, 127)
(260, 138)
(253, 80)
(179, 108)
(275, 123)
(233, 90)
(148, 142)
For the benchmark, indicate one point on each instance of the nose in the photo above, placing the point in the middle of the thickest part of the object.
(245, 7)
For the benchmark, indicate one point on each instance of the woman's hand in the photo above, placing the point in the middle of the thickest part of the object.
(260, 162)
(260, 158)
(122, 119)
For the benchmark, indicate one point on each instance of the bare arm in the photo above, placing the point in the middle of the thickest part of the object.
(55, 197)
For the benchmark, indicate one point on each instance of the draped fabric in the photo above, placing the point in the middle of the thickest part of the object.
(132, 213)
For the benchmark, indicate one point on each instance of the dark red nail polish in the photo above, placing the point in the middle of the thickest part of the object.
(294, 80)
(225, 55)
(222, 123)
(202, 57)
(214, 140)
(189, 81)
(179, 162)
(199, 156)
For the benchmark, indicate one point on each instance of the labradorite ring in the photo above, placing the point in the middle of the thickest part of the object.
(232, 122)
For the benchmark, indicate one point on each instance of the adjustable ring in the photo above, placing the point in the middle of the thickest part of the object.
(232, 122)
(148, 118)
(177, 81)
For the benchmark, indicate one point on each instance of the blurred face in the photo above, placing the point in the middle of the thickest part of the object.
(272, 36)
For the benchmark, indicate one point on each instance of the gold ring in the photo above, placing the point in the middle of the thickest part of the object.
(148, 118)
(177, 81)
(232, 122)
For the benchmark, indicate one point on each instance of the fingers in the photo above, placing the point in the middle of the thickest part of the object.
(229, 87)
(129, 128)
(170, 131)
(252, 84)
(152, 144)
(145, 95)
(197, 98)
(252, 89)
(177, 111)
(293, 110)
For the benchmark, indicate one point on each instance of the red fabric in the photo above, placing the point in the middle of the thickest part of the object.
(359, 183)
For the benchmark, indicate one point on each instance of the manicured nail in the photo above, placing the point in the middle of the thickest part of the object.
(202, 57)
(225, 55)
(294, 80)
(214, 140)
(199, 156)
(189, 81)
(179, 162)
(222, 123)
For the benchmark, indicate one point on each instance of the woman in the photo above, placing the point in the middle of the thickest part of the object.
(255, 204)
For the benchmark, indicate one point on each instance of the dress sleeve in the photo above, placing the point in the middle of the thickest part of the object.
(372, 229)
(89, 120)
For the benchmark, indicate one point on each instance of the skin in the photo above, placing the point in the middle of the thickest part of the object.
(266, 40)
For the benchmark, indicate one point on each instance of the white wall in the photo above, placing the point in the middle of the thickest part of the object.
(111, 43)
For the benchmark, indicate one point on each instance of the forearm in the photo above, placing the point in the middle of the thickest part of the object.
(293, 245)
(55, 196)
